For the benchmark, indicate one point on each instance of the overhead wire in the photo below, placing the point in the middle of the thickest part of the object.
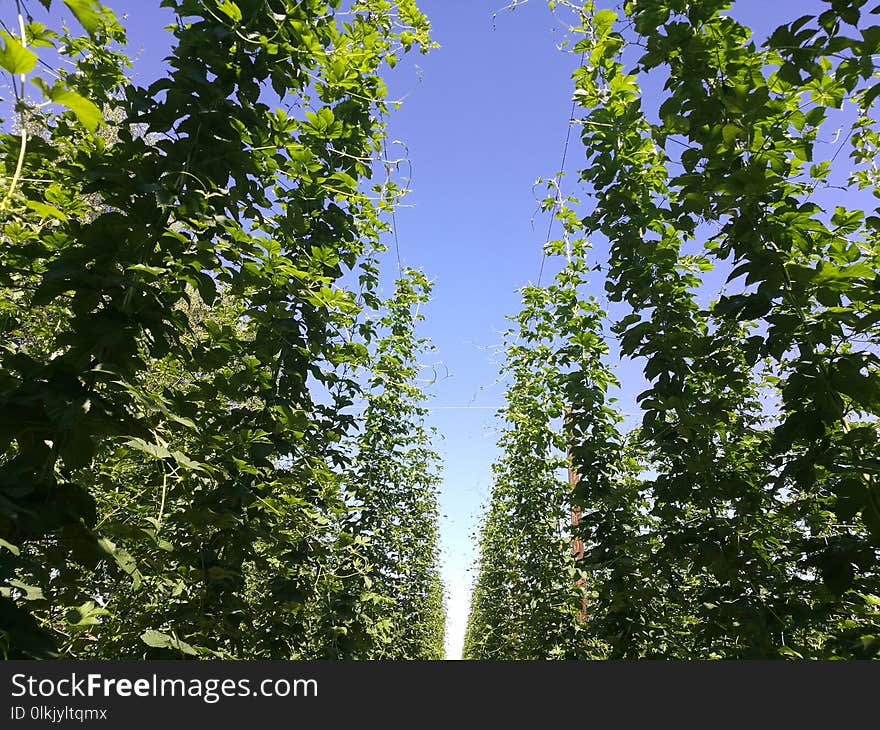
(387, 163)
(558, 203)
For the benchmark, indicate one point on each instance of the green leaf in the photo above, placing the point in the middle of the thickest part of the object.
(31, 593)
(730, 132)
(870, 95)
(85, 615)
(88, 13)
(231, 10)
(14, 57)
(603, 20)
(151, 637)
(9, 546)
(182, 420)
(802, 151)
(187, 463)
(46, 211)
(122, 557)
(152, 270)
(158, 640)
(156, 450)
(789, 652)
(88, 114)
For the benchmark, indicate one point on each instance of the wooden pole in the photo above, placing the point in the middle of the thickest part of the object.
(577, 546)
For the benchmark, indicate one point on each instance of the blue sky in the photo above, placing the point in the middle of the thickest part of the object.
(484, 116)
(490, 116)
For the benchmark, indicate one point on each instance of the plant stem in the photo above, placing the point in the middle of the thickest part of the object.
(24, 138)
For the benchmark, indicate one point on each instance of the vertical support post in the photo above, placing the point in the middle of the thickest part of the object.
(577, 546)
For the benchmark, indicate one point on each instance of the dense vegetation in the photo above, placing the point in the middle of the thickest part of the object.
(741, 519)
(213, 436)
(196, 368)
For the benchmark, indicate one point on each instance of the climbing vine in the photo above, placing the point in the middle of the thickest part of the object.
(528, 595)
(213, 437)
(739, 520)
(395, 481)
(181, 346)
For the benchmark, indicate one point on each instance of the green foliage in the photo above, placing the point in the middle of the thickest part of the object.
(180, 350)
(527, 597)
(395, 480)
(14, 57)
(740, 520)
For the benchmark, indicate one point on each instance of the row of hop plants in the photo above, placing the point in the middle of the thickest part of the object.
(740, 518)
(197, 370)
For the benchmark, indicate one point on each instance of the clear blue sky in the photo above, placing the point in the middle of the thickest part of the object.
(488, 117)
